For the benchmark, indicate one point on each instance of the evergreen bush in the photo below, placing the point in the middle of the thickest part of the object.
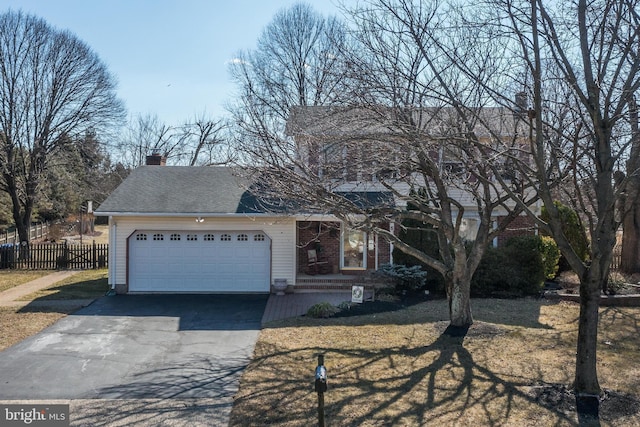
(516, 269)
(573, 229)
(404, 279)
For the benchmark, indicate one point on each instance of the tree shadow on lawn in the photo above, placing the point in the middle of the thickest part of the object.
(524, 312)
(443, 385)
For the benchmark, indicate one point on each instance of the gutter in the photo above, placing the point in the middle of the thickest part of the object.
(189, 214)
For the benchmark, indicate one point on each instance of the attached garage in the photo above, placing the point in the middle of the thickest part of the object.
(206, 261)
(181, 229)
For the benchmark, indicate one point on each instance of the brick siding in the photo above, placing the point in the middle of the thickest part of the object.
(520, 226)
(325, 238)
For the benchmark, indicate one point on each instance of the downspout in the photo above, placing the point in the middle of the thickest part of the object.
(112, 255)
(392, 230)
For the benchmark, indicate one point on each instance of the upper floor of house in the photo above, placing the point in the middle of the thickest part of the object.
(356, 145)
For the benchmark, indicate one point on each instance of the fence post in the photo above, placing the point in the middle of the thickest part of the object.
(66, 256)
(94, 256)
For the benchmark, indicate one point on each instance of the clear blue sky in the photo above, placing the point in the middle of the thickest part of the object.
(169, 56)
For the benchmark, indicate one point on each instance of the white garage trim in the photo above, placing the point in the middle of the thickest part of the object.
(204, 261)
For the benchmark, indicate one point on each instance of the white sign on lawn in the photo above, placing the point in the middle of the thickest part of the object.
(357, 294)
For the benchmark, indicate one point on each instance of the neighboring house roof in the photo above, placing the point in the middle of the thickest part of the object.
(181, 190)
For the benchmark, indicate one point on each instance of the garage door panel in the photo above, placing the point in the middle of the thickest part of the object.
(210, 261)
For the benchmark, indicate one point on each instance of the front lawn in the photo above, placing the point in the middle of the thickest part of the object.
(514, 367)
(86, 284)
(20, 322)
(12, 278)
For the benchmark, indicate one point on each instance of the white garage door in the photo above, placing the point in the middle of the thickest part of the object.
(206, 261)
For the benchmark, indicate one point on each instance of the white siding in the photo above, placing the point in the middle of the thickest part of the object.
(282, 232)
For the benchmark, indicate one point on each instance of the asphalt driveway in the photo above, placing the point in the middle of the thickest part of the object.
(139, 347)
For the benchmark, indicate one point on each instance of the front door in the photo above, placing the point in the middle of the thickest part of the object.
(354, 249)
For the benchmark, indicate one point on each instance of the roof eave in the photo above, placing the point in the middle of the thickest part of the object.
(186, 214)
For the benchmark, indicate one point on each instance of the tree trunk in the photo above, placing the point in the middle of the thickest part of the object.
(458, 290)
(22, 220)
(630, 259)
(586, 378)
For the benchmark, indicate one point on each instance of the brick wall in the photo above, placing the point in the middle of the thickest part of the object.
(521, 226)
(325, 238)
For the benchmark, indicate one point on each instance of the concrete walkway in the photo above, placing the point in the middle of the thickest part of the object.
(293, 305)
(11, 297)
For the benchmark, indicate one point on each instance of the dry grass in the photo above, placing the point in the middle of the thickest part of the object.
(12, 278)
(18, 323)
(83, 285)
(399, 369)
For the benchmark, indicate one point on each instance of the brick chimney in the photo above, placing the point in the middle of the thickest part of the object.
(156, 159)
(521, 104)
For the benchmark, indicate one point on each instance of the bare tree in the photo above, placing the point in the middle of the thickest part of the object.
(144, 135)
(579, 64)
(412, 129)
(205, 142)
(603, 72)
(297, 61)
(630, 198)
(51, 85)
(200, 141)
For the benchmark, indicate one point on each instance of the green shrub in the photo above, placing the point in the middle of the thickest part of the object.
(322, 310)
(494, 275)
(550, 256)
(513, 270)
(404, 278)
(573, 229)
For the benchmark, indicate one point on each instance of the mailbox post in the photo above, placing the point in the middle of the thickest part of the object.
(321, 387)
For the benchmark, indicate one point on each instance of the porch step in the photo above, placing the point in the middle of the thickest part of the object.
(321, 287)
(324, 283)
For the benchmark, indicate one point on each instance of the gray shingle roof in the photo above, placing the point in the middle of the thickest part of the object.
(181, 190)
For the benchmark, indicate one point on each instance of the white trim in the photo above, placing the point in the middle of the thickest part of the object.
(392, 230)
(111, 254)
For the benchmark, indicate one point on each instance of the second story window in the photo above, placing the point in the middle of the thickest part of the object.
(333, 162)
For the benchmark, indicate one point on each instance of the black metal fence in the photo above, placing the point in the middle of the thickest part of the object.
(53, 256)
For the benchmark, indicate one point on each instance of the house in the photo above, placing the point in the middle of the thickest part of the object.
(206, 229)
(200, 229)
